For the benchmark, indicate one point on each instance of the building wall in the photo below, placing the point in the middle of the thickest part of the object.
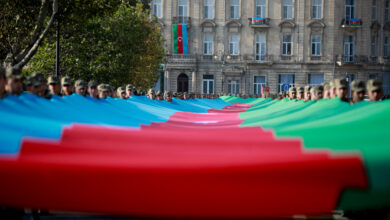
(301, 26)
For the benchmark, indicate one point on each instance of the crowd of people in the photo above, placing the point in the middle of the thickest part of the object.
(338, 88)
(13, 82)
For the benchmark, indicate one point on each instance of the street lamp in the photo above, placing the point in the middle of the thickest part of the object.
(57, 73)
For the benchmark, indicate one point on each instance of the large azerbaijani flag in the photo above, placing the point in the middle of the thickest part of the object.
(199, 158)
(180, 45)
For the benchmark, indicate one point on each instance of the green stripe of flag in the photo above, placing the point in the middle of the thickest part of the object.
(175, 43)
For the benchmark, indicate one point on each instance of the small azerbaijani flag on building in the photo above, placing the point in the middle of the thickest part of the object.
(258, 21)
(354, 22)
(180, 45)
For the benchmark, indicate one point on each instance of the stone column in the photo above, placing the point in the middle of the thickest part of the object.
(167, 83)
(194, 82)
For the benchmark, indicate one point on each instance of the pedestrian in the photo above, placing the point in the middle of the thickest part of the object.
(341, 89)
(374, 90)
(292, 93)
(121, 92)
(129, 90)
(332, 90)
(2, 82)
(358, 88)
(92, 89)
(327, 89)
(317, 92)
(103, 91)
(300, 93)
(168, 96)
(36, 86)
(67, 86)
(151, 94)
(307, 93)
(81, 87)
(54, 85)
(14, 85)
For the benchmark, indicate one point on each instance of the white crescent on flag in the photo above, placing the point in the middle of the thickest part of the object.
(179, 39)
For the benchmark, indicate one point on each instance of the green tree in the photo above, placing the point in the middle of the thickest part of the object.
(24, 24)
(125, 47)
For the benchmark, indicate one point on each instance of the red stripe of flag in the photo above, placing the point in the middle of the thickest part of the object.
(180, 38)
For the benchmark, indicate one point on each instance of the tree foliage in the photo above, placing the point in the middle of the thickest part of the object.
(125, 47)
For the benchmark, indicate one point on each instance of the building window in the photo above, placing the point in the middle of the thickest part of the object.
(349, 9)
(260, 47)
(373, 15)
(233, 44)
(386, 47)
(208, 44)
(287, 9)
(348, 48)
(373, 76)
(287, 43)
(208, 9)
(316, 45)
(208, 84)
(234, 9)
(315, 78)
(259, 82)
(286, 81)
(234, 86)
(182, 8)
(157, 8)
(316, 9)
(387, 11)
(260, 8)
(373, 46)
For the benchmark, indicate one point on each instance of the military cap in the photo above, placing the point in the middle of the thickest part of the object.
(300, 89)
(158, 93)
(332, 84)
(292, 89)
(121, 89)
(307, 89)
(39, 76)
(92, 83)
(52, 80)
(103, 87)
(317, 89)
(35, 81)
(10, 72)
(374, 85)
(358, 86)
(129, 86)
(2, 72)
(326, 86)
(66, 81)
(340, 83)
(80, 84)
(151, 91)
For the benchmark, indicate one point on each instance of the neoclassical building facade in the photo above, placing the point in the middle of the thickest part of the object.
(239, 46)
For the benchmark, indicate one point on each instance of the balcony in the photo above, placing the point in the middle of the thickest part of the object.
(233, 58)
(182, 58)
(182, 20)
(351, 24)
(259, 59)
(351, 60)
(259, 22)
(208, 58)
